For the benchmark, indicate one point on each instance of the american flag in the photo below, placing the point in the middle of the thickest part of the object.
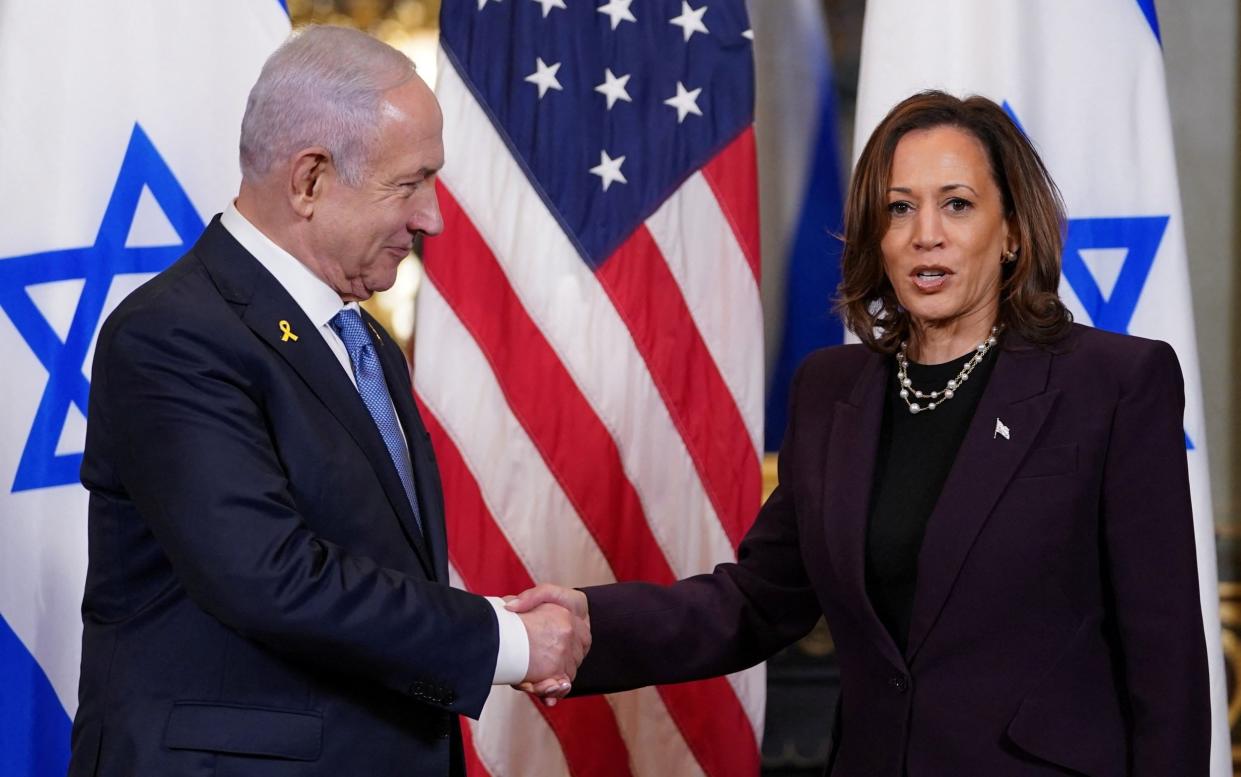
(589, 342)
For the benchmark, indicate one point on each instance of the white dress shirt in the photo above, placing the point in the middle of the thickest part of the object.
(321, 303)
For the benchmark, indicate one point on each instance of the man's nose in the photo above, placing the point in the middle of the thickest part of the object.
(426, 217)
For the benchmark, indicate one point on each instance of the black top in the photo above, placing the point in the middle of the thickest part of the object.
(912, 463)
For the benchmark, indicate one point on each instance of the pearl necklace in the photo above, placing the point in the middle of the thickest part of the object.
(947, 392)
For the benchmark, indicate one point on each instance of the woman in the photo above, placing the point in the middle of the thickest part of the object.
(989, 503)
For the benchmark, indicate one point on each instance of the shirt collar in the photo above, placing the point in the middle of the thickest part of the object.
(318, 301)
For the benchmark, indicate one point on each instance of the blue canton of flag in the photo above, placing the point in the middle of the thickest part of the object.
(688, 76)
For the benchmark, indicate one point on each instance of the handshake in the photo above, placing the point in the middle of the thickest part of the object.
(558, 626)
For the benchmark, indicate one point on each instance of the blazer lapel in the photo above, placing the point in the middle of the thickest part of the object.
(847, 483)
(430, 495)
(265, 304)
(426, 479)
(1016, 397)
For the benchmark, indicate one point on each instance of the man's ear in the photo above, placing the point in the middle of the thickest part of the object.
(307, 179)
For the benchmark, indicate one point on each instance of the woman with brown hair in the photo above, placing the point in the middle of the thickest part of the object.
(989, 503)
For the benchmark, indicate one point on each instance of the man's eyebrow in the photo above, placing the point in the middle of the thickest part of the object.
(422, 172)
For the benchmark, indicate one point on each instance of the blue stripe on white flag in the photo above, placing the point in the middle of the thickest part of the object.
(34, 727)
(1152, 18)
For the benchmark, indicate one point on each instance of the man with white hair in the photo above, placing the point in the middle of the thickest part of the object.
(268, 586)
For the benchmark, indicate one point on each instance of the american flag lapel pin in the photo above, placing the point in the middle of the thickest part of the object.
(1000, 430)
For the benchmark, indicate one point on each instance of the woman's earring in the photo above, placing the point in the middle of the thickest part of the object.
(1008, 256)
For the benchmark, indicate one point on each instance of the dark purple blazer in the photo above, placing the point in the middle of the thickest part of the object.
(259, 599)
(1056, 626)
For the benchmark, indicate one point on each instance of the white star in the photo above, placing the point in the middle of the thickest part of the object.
(685, 101)
(618, 10)
(748, 34)
(548, 5)
(544, 76)
(608, 169)
(690, 20)
(614, 88)
(482, 3)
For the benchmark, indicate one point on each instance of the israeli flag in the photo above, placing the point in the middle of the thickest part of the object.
(1086, 82)
(118, 140)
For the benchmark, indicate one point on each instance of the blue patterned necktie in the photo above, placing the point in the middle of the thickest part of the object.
(374, 391)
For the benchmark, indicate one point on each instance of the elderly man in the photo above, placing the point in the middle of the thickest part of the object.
(268, 586)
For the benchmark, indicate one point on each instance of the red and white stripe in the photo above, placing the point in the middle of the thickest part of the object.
(593, 427)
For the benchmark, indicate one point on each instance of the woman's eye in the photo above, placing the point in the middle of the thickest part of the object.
(956, 204)
(899, 208)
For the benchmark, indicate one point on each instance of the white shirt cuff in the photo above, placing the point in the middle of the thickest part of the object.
(514, 659)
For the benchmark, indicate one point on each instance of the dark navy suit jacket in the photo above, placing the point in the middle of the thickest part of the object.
(259, 599)
(1056, 625)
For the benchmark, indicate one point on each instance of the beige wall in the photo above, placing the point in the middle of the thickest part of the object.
(1200, 40)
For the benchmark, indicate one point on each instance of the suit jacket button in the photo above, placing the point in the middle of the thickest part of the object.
(898, 683)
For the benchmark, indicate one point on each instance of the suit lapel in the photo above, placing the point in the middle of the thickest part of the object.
(1016, 396)
(265, 304)
(426, 479)
(847, 483)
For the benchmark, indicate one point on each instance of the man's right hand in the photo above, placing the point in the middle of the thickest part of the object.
(558, 624)
(558, 643)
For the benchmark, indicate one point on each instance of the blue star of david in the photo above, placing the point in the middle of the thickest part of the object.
(41, 466)
(1138, 236)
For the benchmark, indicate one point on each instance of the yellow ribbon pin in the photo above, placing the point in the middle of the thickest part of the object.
(286, 332)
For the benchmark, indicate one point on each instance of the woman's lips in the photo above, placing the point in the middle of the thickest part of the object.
(929, 279)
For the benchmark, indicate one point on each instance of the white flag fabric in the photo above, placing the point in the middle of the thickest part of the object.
(118, 141)
(1086, 83)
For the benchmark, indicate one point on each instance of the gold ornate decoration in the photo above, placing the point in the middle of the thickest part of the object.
(771, 475)
(1230, 639)
(374, 16)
